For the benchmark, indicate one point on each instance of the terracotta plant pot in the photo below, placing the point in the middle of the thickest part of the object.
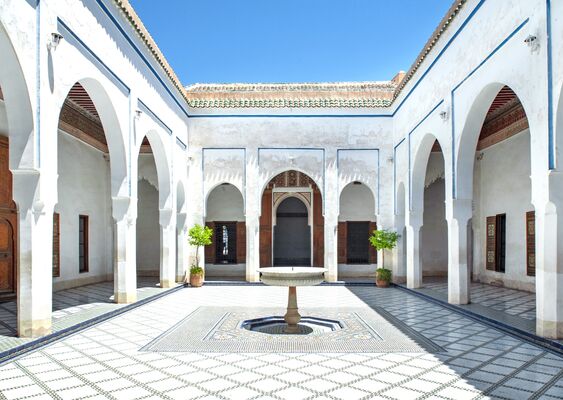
(382, 283)
(196, 280)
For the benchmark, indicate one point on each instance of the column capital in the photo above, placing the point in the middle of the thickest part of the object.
(414, 219)
(165, 217)
(459, 209)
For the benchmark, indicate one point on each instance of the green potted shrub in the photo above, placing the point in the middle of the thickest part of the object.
(199, 236)
(383, 240)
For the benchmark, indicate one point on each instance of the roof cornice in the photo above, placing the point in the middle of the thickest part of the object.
(133, 18)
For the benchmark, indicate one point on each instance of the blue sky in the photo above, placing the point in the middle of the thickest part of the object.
(290, 40)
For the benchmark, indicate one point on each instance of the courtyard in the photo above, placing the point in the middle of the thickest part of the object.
(461, 359)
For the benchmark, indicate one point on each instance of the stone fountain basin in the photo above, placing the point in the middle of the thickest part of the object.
(292, 276)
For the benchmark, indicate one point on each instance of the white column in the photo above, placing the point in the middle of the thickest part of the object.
(330, 201)
(181, 247)
(458, 214)
(414, 264)
(35, 251)
(252, 248)
(253, 207)
(125, 257)
(167, 248)
(549, 260)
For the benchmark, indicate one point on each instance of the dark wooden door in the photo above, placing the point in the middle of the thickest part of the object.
(7, 276)
(8, 227)
(357, 249)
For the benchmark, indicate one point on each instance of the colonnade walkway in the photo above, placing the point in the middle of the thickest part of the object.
(72, 307)
(516, 308)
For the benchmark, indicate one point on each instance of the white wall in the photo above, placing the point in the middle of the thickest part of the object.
(148, 230)
(503, 186)
(225, 204)
(83, 189)
(356, 204)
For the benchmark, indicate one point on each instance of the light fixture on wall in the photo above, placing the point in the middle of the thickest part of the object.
(444, 115)
(54, 41)
(532, 42)
(291, 160)
(138, 114)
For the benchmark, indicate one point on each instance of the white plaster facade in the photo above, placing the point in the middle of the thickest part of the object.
(444, 97)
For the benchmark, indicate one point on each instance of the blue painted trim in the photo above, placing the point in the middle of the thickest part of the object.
(243, 174)
(293, 116)
(550, 109)
(38, 84)
(491, 54)
(147, 110)
(141, 55)
(19, 351)
(446, 46)
(409, 143)
(377, 191)
(395, 175)
(180, 143)
(112, 75)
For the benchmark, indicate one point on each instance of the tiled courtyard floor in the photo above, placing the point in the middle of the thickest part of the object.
(71, 307)
(512, 307)
(105, 361)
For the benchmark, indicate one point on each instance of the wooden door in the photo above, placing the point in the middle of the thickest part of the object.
(8, 227)
(7, 270)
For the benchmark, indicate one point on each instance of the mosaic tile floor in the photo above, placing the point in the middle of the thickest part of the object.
(71, 307)
(105, 361)
(514, 302)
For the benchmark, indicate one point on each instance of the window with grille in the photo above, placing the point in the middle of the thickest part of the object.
(83, 243)
(56, 245)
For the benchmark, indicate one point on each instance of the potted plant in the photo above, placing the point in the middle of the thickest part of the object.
(199, 236)
(383, 240)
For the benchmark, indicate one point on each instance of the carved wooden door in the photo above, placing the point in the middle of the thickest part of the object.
(7, 278)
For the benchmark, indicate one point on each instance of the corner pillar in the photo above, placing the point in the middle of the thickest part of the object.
(35, 250)
(459, 212)
(549, 259)
(167, 248)
(181, 247)
(414, 264)
(125, 266)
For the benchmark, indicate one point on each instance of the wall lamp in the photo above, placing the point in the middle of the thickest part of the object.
(54, 41)
(444, 115)
(138, 114)
(532, 42)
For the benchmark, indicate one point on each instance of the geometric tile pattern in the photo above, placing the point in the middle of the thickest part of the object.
(219, 329)
(104, 361)
(511, 301)
(73, 306)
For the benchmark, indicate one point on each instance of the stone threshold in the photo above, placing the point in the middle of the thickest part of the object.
(551, 345)
(36, 344)
(245, 283)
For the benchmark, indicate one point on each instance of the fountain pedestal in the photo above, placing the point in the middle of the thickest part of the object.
(292, 277)
(292, 316)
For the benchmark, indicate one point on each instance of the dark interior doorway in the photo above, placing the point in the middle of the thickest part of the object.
(357, 243)
(292, 234)
(225, 242)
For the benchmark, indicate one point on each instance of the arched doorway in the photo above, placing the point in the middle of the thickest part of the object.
(148, 230)
(225, 258)
(292, 233)
(300, 186)
(434, 231)
(356, 222)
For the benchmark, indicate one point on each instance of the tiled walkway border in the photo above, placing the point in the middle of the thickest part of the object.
(18, 351)
(547, 344)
